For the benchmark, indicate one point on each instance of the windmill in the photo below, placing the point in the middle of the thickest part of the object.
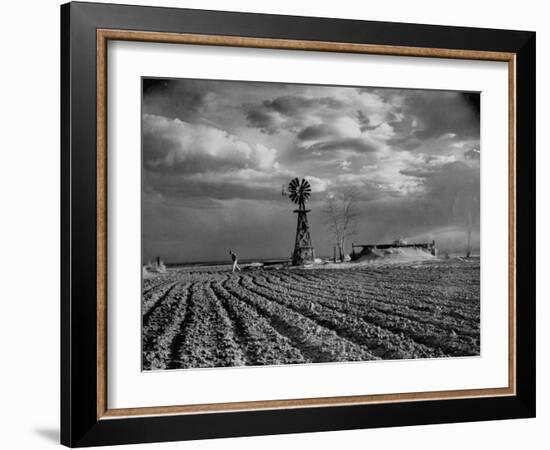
(299, 193)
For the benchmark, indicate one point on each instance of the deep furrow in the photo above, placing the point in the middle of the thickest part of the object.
(423, 276)
(161, 327)
(315, 342)
(149, 286)
(179, 332)
(262, 344)
(422, 273)
(207, 317)
(335, 289)
(437, 292)
(423, 334)
(451, 342)
(227, 332)
(381, 342)
(154, 299)
(208, 339)
(346, 304)
(444, 281)
(426, 302)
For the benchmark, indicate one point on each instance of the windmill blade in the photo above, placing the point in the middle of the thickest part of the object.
(299, 190)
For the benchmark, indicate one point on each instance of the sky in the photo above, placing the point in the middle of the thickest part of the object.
(215, 155)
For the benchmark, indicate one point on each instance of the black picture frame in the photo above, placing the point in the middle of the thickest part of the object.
(80, 425)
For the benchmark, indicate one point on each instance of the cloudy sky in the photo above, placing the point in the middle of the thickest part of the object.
(216, 154)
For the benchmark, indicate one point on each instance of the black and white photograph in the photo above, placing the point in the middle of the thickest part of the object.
(299, 223)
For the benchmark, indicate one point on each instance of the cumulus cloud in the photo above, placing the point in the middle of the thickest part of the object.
(216, 153)
(322, 112)
(185, 160)
(174, 145)
(425, 166)
(433, 114)
(318, 185)
(289, 112)
(355, 144)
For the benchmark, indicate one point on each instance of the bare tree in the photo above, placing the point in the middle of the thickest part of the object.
(341, 213)
(472, 206)
(472, 199)
(465, 206)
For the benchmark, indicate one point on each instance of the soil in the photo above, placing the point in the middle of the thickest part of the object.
(209, 317)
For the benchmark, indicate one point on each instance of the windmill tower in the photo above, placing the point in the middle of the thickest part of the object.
(299, 192)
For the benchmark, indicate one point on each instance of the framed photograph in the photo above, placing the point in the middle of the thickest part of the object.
(276, 224)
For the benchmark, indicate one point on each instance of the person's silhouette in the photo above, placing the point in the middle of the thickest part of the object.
(235, 259)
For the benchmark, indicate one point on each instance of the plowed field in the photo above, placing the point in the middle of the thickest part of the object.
(209, 317)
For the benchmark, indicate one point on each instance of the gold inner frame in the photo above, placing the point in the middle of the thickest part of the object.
(104, 35)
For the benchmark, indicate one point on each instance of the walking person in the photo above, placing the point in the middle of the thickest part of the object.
(234, 258)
